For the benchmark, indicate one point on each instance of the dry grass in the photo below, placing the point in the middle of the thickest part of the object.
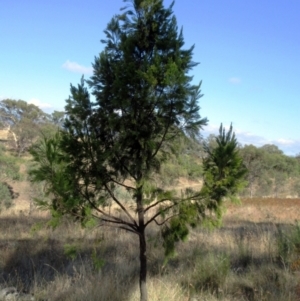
(240, 261)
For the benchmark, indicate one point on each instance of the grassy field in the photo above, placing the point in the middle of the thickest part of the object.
(255, 255)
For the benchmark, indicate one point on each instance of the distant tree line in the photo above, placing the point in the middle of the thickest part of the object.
(270, 172)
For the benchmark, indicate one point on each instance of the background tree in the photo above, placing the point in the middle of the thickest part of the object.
(144, 102)
(272, 149)
(23, 120)
(58, 118)
(210, 142)
(253, 159)
(9, 170)
(51, 124)
(271, 172)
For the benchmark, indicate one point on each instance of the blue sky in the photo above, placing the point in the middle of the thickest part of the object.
(249, 54)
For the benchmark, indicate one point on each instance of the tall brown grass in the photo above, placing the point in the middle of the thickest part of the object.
(243, 260)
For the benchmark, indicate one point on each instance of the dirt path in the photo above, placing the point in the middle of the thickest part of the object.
(274, 210)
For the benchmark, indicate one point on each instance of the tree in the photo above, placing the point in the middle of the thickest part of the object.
(144, 101)
(52, 124)
(272, 149)
(224, 170)
(23, 121)
(253, 159)
(57, 118)
(8, 171)
(270, 171)
(210, 142)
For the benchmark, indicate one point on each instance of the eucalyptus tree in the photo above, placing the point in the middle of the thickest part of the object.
(120, 127)
(23, 121)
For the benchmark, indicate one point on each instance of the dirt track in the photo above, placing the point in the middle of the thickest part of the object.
(265, 210)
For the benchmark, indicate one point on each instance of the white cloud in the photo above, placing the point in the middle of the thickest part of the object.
(39, 104)
(210, 129)
(235, 80)
(283, 141)
(75, 67)
(289, 146)
(2, 97)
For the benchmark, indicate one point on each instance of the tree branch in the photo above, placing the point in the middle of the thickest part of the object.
(118, 227)
(121, 222)
(120, 205)
(155, 204)
(123, 185)
(115, 219)
(159, 213)
(169, 207)
(162, 223)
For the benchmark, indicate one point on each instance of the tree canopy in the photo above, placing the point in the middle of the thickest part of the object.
(23, 121)
(26, 122)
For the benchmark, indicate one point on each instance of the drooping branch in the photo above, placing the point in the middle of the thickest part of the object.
(155, 204)
(132, 226)
(110, 218)
(164, 210)
(166, 220)
(122, 184)
(120, 204)
(159, 213)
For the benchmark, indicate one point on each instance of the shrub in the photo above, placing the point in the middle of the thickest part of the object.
(289, 244)
(5, 196)
(210, 272)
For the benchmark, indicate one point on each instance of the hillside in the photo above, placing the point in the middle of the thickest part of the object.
(271, 173)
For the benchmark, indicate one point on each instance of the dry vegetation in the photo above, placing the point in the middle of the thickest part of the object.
(254, 256)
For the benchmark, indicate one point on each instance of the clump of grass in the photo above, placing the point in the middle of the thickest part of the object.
(210, 272)
(6, 196)
(288, 243)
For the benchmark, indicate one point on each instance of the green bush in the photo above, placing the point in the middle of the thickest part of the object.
(5, 196)
(288, 243)
(210, 272)
(9, 167)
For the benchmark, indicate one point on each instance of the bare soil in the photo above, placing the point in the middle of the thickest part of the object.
(257, 210)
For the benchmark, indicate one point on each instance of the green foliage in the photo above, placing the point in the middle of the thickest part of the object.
(271, 173)
(175, 231)
(5, 196)
(288, 243)
(224, 174)
(57, 118)
(209, 272)
(9, 170)
(98, 263)
(185, 162)
(53, 124)
(58, 181)
(71, 251)
(23, 120)
(9, 167)
(224, 171)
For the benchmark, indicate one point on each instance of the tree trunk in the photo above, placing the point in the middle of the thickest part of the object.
(143, 267)
(143, 246)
